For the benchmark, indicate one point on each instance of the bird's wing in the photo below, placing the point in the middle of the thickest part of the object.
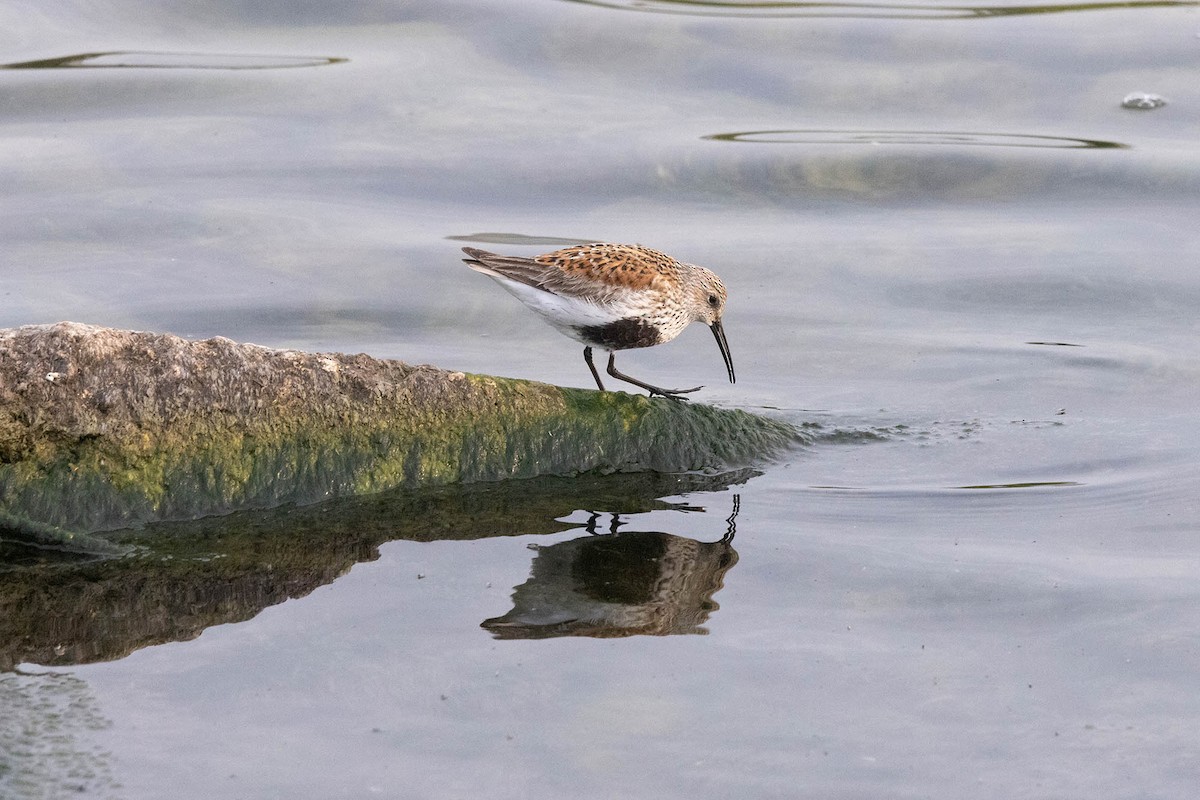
(550, 277)
(522, 270)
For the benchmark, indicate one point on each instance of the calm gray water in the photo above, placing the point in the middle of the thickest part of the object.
(946, 243)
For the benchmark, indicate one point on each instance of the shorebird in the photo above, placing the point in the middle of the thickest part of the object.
(614, 297)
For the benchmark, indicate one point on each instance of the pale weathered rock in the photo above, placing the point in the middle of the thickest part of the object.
(103, 428)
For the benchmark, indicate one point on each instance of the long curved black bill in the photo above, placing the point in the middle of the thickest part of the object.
(719, 332)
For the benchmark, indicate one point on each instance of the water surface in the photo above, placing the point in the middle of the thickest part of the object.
(952, 255)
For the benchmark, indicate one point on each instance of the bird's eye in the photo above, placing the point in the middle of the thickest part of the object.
(712, 300)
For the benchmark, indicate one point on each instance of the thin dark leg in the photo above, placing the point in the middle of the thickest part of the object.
(587, 356)
(731, 523)
(673, 394)
(594, 517)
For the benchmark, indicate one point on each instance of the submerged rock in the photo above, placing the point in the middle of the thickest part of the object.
(102, 429)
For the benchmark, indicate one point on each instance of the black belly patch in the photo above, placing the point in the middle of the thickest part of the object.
(623, 334)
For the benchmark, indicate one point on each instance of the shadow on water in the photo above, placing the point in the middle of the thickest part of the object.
(134, 59)
(609, 585)
(515, 239)
(59, 608)
(785, 8)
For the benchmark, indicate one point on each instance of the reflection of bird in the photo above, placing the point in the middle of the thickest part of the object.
(620, 584)
(614, 585)
(613, 296)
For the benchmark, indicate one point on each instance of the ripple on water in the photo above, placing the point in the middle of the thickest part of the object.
(893, 137)
(1101, 492)
(807, 164)
(1017, 470)
(789, 8)
(145, 59)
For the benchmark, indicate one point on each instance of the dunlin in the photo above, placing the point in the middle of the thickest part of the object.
(614, 297)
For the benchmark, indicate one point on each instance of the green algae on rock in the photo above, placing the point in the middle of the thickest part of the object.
(104, 428)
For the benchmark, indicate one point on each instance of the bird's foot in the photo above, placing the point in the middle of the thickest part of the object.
(672, 394)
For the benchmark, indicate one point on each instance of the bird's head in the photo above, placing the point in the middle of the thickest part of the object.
(710, 298)
(708, 307)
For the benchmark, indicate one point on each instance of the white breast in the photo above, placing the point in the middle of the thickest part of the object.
(566, 313)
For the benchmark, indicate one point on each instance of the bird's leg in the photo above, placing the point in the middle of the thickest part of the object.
(587, 356)
(673, 394)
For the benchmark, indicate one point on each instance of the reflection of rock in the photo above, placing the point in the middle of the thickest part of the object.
(181, 577)
(624, 584)
(105, 610)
